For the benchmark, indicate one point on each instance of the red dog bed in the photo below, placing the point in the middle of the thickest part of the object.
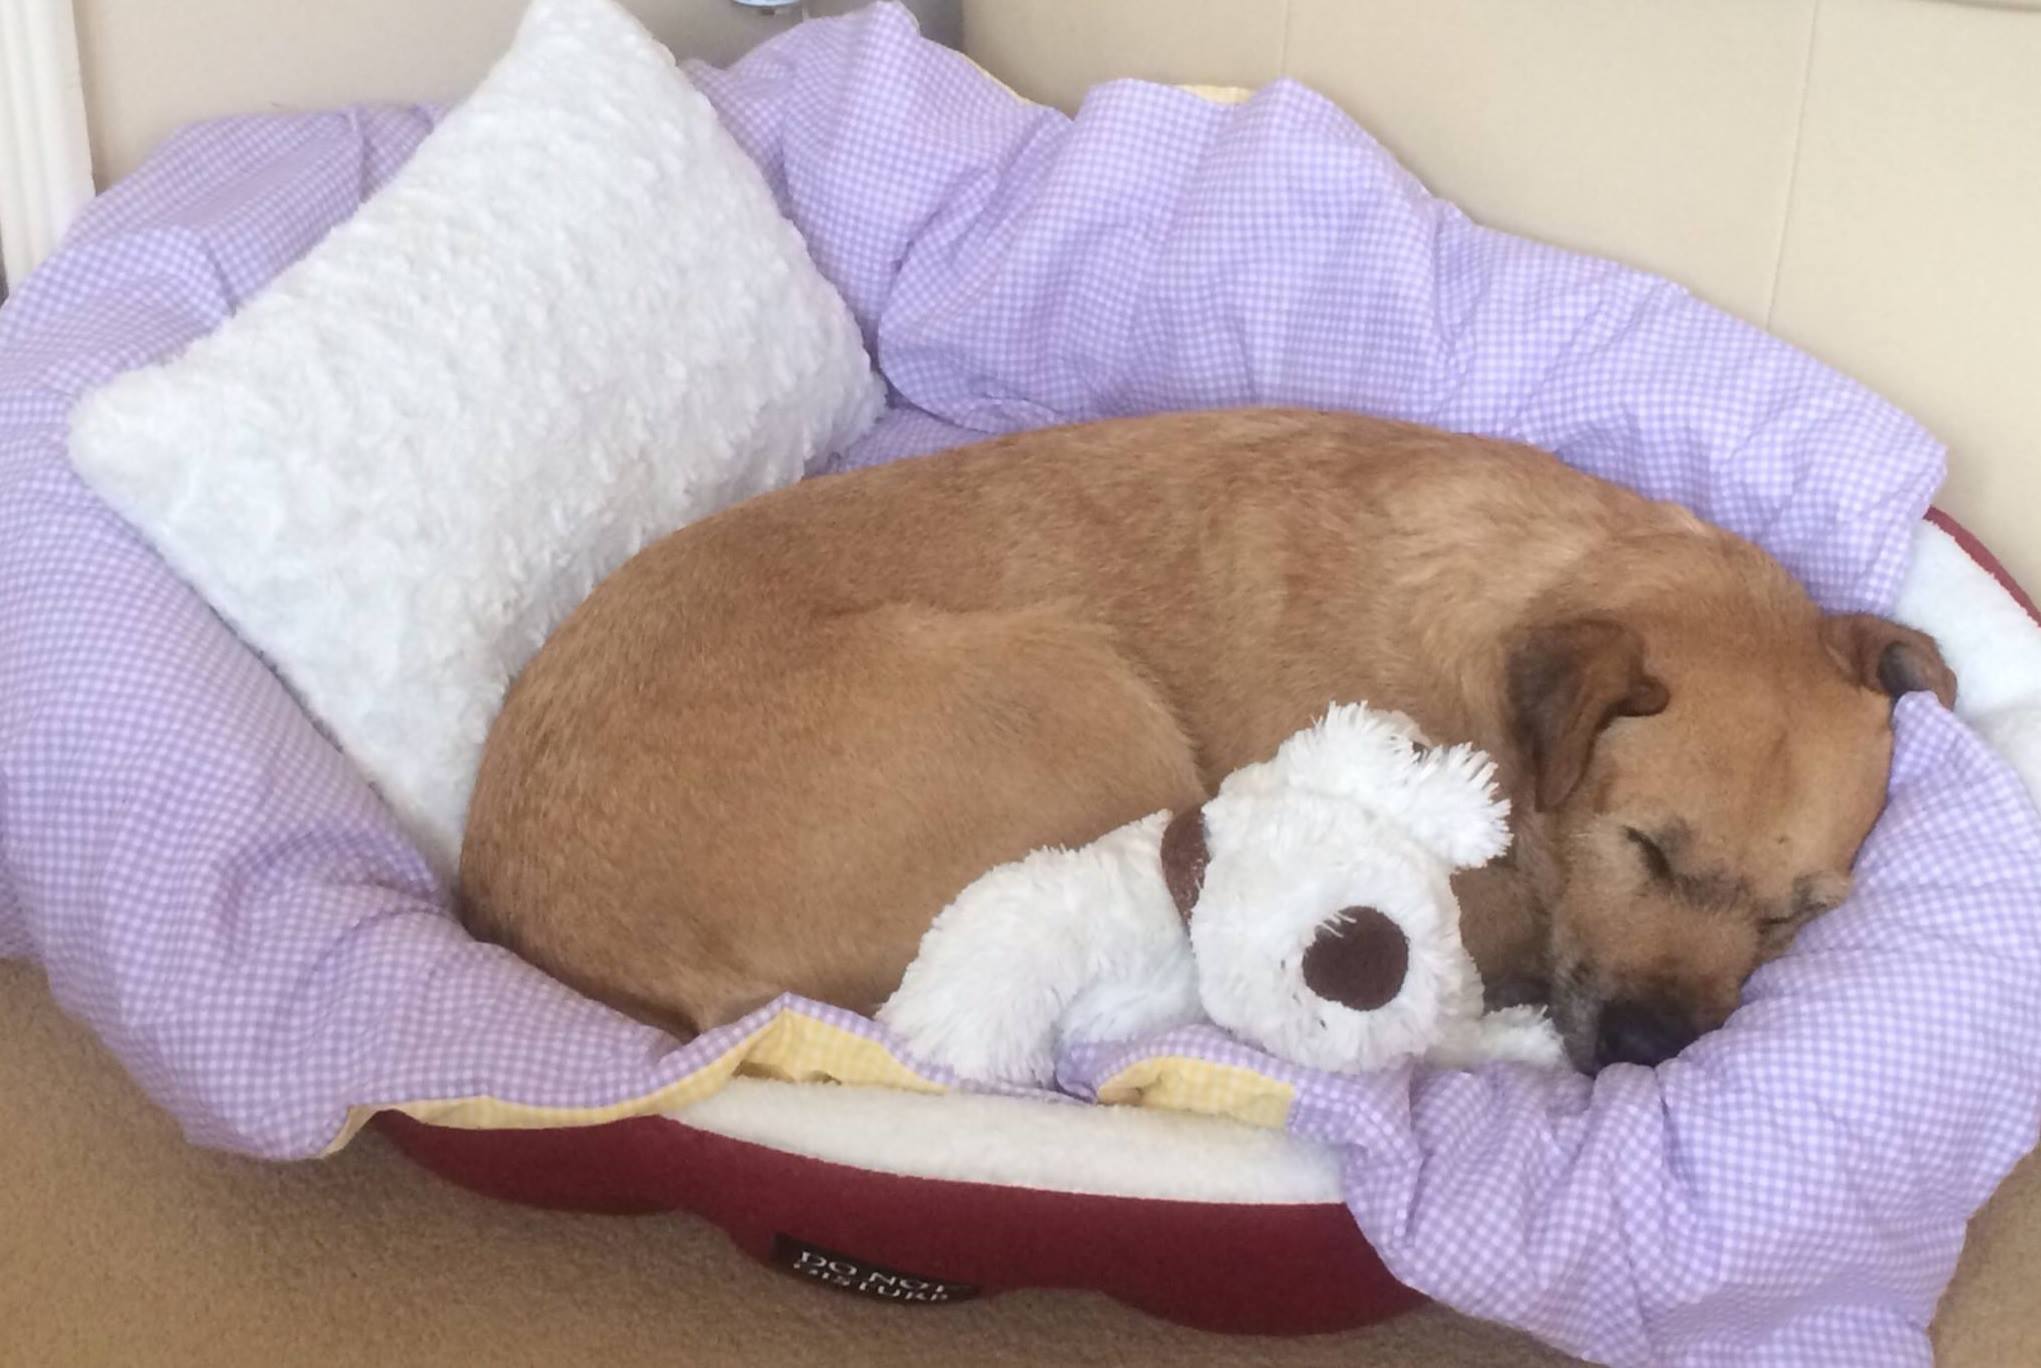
(922, 1241)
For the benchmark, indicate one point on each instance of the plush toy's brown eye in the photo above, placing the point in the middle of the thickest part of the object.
(1652, 852)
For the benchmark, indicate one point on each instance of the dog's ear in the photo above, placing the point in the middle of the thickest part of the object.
(1885, 656)
(1566, 682)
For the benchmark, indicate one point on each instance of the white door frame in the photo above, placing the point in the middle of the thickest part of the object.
(45, 155)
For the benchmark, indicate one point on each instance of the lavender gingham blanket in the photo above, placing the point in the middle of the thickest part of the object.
(212, 887)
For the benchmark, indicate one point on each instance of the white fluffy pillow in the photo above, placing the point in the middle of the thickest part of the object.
(572, 322)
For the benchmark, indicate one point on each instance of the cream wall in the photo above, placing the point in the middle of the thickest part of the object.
(1861, 176)
(152, 65)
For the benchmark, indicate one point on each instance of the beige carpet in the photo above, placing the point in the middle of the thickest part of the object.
(122, 1245)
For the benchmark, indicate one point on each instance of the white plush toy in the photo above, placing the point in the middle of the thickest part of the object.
(1307, 909)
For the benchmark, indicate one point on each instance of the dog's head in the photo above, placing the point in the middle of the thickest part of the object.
(1700, 763)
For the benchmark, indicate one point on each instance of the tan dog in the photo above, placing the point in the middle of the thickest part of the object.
(767, 751)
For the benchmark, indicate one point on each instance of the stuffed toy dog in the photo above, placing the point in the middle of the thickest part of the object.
(1307, 909)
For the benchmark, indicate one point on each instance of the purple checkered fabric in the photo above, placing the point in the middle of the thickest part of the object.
(216, 891)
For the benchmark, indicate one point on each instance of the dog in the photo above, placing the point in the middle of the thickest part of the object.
(771, 747)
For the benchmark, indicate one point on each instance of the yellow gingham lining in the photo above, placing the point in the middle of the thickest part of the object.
(793, 1047)
(1181, 1083)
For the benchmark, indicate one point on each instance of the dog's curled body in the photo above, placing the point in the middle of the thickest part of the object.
(768, 750)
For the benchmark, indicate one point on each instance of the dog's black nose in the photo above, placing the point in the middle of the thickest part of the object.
(1641, 1033)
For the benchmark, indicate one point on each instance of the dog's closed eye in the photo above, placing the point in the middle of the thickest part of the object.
(1653, 853)
(1779, 928)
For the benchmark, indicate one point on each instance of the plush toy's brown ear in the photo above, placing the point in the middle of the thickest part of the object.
(1359, 960)
(1566, 682)
(1885, 656)
(1184, 857)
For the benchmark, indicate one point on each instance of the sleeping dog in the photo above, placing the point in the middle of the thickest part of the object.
(768, 750)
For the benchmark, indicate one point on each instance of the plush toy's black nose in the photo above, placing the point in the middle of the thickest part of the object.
(1359, 959)
(1645, 1033)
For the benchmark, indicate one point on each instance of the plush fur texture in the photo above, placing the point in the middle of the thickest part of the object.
(1081, 943)
(1089, 944)
(574, 321)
